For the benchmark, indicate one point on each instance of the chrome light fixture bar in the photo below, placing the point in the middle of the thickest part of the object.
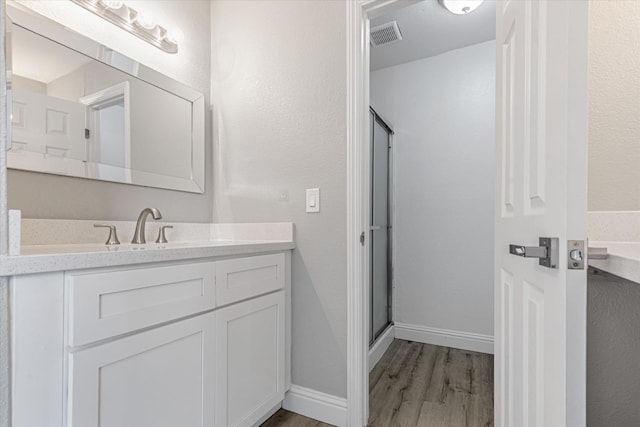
(134, 22)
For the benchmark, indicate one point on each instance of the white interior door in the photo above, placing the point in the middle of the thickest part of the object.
(541, 130)
(47, 125)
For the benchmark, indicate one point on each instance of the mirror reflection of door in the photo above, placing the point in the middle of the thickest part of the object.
(108, 131)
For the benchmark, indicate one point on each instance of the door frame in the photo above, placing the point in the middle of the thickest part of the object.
(358, 201)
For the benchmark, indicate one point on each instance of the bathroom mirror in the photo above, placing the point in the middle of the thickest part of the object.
(81, 109)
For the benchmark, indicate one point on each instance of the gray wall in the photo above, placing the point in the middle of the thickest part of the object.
(613, 351)
(279, 98)
(50, 196)
(442, 110)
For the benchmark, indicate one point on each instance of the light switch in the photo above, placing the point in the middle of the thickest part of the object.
(313, 200)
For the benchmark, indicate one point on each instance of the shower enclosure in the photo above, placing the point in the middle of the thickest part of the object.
(380, 229)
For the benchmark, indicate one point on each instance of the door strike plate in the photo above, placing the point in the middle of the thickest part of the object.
(575, 254)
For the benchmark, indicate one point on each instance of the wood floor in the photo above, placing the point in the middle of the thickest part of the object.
(422, 385)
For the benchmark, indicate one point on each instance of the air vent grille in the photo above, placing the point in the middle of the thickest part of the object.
(385, 34)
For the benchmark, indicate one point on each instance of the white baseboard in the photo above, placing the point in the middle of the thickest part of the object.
(444, 337)
(380, 346)
(317, 405)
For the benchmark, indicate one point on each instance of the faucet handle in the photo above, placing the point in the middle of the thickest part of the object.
(113, 236)
(161, 234)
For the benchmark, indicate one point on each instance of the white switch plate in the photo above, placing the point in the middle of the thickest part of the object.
(313, 200)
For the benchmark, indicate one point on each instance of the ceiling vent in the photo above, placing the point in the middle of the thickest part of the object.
(385, 34)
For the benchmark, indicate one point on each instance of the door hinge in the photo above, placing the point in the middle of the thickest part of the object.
(362, 238)
(87, 133)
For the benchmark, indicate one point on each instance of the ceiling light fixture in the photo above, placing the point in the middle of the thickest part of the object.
(137, 23)
(461, 7)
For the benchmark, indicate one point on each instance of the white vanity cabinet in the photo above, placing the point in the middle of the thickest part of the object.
(200, 343)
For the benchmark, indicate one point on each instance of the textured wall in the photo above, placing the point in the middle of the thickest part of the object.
(613, 351)
(50, 196)
(279, 99)
(614, 105)
(442, 111)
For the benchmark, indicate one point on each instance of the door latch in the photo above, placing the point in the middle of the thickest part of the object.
(547, 252)
(575, 254)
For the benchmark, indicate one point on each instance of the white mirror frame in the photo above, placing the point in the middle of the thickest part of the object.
(29, 20)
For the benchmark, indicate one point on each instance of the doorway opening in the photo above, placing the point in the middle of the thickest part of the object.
(432, 199)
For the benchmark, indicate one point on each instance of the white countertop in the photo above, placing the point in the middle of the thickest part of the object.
(623, 259)
(47, 258)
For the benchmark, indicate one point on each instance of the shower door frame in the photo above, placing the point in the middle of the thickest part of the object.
(390, 226)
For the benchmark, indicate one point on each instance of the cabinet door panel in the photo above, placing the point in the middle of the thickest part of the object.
(250, 373)
(161, 377)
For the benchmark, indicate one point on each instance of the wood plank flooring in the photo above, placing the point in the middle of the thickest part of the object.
(422, 385)
(284, 418)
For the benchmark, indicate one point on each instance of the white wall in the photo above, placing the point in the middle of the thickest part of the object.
(442, 112)
(279, 99)
(614, 105)
(50, 196)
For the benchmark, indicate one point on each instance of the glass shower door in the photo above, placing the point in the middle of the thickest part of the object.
(380, 234)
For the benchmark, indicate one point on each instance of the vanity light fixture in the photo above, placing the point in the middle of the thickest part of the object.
(175, 35)
(461, 7)
(137, 23)
(145, 21)
(112, 4)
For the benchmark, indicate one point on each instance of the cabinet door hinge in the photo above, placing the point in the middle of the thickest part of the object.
(362, 238)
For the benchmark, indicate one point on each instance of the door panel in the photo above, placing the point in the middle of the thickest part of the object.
(380, 230)
(540, 320)
(48, 126)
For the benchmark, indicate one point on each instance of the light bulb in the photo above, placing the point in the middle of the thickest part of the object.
(112, 4)
(461, 7)
(145, 21)
(175, 36)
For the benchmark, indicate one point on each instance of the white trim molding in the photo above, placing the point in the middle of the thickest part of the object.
(358, 178)
(357, 217)
(380, 347)
(444, 337)
(317, 405)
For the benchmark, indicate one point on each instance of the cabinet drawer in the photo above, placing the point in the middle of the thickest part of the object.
(105, 304)
(242, 278)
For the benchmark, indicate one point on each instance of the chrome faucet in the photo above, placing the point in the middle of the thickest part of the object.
(139, 234)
